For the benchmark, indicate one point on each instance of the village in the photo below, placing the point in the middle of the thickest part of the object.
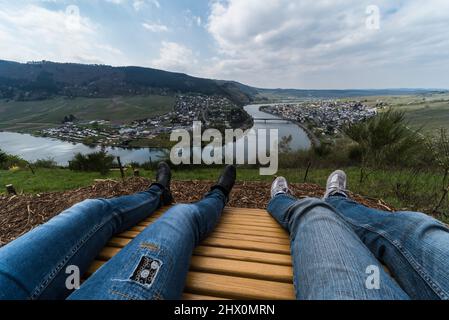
(213, 111)
(324, 117)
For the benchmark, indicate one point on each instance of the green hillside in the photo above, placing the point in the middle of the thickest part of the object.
(29, 115)
(428, 111)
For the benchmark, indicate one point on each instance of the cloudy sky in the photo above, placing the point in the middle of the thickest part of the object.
(320, 44)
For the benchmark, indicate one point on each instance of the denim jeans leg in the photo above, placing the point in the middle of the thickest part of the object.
(414, 246)
(155, 264)
(34, 265)
(330, 262)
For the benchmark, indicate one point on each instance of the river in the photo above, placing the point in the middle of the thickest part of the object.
(33, 148)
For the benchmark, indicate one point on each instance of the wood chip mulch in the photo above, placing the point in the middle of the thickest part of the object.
(20, 214)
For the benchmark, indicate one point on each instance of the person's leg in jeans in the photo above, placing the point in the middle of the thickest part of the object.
(34, 266)
(155, 264)
(330, 262)
(414, 246)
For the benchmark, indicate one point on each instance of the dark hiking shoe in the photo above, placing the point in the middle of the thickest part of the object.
(163, 175)
(163, 180)
(227, 180)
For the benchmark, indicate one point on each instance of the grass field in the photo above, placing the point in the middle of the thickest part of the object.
(402, 189)
(32, 115)
(431, 112)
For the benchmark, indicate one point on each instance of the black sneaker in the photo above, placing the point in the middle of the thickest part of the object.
(163, 180)
(163, 175)
(227, 180)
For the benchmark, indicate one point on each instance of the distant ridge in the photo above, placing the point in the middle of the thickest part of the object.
(41, 80)
(44, 79)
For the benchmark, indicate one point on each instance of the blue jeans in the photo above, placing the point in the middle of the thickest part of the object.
(337, 244)
(152, 266)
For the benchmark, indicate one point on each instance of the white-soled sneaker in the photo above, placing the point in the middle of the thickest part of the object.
(279, 186)
(336, 184)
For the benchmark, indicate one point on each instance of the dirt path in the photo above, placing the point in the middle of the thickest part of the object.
(20, 214)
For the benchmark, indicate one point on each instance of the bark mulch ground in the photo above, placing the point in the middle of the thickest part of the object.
(20, 214)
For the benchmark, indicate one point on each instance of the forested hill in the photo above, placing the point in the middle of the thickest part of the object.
(42, 80)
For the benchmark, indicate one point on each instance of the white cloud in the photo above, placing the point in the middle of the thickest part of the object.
(34, 33)
(176, 57)
(326, 43)
(156, 3)
(192, 19)
(155, 27)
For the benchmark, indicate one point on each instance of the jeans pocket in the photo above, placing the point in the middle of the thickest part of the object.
(145, 275)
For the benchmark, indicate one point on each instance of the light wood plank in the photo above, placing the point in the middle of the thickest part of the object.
(247, 245)
(237, 288)
(254, 270)
(268, 226)
(206, 251)
(244, 237)
(237, 230)
(217, 242)
(227, 235)
(244, 255)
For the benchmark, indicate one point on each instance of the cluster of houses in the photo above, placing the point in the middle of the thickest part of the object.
(210, 110)
(326, 117)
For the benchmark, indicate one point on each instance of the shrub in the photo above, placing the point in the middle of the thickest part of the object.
(384, 140)
(95, 162)
(48, 163)
(8, 161)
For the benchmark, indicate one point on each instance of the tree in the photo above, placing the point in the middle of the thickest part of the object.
(383, 140)
(3, 157)
(439, 147)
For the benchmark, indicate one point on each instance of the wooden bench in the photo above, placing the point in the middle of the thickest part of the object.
(246, 257)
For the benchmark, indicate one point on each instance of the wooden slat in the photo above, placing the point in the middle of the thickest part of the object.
(264, 226)
(281, 234)
(216, 236)
(223, 253)
(246, 211)
(237, 288)
(119, 242)
(231, 217)
(94, 267)
(242, 269)
(247, 245)
(237, 230)
(255, 270)
(244, 255)
(221, 241)
(244, 237)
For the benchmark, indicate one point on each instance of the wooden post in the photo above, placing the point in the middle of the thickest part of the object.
(136, 173)
(11, 190)
(31, 168)
(443, 197)
(121, 168)
(307, 172)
